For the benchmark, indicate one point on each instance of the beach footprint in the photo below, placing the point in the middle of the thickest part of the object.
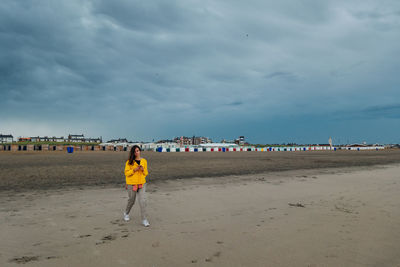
(83, 236)
(24, 259)
(107, 238)
(118, 222)
(215, 255)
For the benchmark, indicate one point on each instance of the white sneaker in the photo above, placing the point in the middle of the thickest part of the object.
(145, 223)
(126, 217)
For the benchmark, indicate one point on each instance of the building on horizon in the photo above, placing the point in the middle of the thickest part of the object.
(6, 138)
(119, 140)
(219, 145)
(240, 141)
(76, 138)
(194, 140)
(71, 138)
(80, 138)
(43, 139)
(164, 141)
(24, 139)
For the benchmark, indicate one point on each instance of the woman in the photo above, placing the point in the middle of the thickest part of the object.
(135, 174)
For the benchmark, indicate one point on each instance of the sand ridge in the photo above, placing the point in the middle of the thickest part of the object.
(27, 171)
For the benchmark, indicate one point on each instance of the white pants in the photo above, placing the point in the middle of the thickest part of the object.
(141, 195)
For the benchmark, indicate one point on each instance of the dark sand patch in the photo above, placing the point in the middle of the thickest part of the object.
(27, 171)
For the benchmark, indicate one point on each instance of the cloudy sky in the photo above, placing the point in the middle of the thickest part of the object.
(274, 71)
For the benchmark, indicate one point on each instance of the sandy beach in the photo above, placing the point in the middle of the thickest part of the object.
(346, 216)
(27, 171)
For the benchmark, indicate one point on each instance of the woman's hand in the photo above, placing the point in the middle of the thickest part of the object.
(138, 168)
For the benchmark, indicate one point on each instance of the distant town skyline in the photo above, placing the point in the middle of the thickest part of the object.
(273, 71)
(181, 140)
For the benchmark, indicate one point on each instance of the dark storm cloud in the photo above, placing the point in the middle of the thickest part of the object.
(281, 74)
(155, 69)
(45, 56)
(236, 103)
(144, 16)
(389, 111)
(376, 15)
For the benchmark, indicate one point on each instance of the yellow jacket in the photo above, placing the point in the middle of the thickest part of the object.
(138, 177)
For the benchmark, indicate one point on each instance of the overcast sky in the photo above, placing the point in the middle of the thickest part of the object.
(273, 71)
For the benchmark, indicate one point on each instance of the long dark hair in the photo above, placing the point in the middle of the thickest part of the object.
(132, 154)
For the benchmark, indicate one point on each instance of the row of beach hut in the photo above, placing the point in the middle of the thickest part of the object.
(270, 149)
(17, 147)
(69, 148)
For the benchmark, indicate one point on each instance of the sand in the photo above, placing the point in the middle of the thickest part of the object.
(316, 217)
(27, 171)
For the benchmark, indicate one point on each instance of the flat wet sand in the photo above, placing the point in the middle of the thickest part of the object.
(26, 171)
(315, 217)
